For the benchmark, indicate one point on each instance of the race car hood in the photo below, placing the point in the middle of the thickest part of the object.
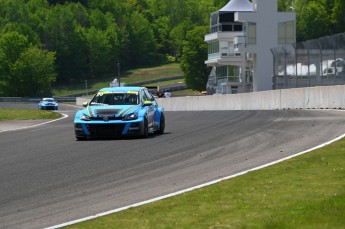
(48, 103)
(115, 110)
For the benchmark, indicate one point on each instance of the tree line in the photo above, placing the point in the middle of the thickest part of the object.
(316, 18)
(59, 42)
(66, 41)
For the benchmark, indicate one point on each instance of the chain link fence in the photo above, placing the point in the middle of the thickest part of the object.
(317, 62)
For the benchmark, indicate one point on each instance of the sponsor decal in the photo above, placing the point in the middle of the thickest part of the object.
(130, 108)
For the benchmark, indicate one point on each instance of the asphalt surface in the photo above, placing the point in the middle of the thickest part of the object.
(48, 178)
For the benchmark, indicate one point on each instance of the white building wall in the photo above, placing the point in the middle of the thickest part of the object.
(267, 19)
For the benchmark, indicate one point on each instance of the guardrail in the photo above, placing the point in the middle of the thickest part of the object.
(35, 100)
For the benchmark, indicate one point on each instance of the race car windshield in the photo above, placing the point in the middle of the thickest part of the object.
(115, 99)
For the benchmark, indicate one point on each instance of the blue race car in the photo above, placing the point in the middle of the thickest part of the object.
(48, 104)
(119, 111)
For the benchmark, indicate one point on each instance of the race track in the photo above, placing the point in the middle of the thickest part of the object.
(48, 178)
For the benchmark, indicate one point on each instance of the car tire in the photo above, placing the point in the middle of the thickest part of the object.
(161, 125)
(80, 138)
(146, 127)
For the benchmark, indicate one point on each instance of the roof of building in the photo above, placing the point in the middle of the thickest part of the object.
(237, 6)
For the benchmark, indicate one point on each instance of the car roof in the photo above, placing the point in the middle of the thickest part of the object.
(120, 89)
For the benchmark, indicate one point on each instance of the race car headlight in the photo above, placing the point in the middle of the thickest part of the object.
(84, 117)
(131, 116)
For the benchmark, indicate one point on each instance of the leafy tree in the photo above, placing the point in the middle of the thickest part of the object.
(11, 46)
(140, 6)
(338, 16)
(62, 34)
(112, 33)
(80, 14)
(24, 70)
(117, 8)
(172, 19)
(220, 3)
(161, 31)
(193, 58)
(35, 72)
(284, 5)
(54, 2)
(99, 49)
(17, 17)
(142, 44)
(314, 21)
(178, 35)
(4, 74)
(98, 19)
(37, 17)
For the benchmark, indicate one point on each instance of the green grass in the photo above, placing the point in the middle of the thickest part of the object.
(304, 192)
(26, 114)
(165, 83)
(186, 92)
(155, 73)
(133, 76)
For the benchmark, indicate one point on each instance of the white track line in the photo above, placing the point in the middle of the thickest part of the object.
(192, 188)
(40, 124)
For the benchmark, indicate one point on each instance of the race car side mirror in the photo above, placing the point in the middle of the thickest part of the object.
(85, 104)
(148, 103)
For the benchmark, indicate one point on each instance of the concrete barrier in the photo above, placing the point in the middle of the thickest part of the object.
(323, 97)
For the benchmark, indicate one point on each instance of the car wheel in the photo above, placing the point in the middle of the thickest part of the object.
(146, 127)
(80, 138)
(161, 125)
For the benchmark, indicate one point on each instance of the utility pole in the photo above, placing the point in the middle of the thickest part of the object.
(86, 88)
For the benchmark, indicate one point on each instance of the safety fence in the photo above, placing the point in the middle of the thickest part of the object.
(318, 62)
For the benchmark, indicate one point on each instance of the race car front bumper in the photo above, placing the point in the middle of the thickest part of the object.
(89, 130)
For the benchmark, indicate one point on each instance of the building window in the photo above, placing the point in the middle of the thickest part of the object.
(238, 28)
(251, 33)
(286, 33)
(213, 47)
(222, 71)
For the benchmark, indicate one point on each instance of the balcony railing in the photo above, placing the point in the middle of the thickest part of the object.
(226, 79)
(226, 27)
(224, 53)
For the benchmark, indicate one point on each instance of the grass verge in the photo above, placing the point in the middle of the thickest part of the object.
(133, 76)
(154, 73)
(304, 192)
(186, 92)
(26, 114)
